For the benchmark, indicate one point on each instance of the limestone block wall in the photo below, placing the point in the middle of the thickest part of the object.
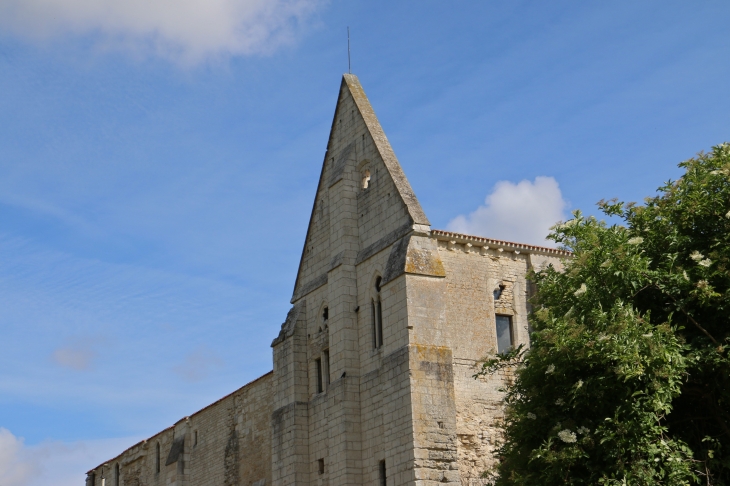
(385, 385)
(227, 443)
(477, 271)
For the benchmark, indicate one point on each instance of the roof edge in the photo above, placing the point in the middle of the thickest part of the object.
(386, 151)
(509, 245)
(184, 418)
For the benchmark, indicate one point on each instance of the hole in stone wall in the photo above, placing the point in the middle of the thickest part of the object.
(498, 292)
(320, 466)
(383, 477)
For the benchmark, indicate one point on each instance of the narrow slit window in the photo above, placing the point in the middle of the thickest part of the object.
(116, 474)
(366, 179)
(377, 316)
(505, 336)
(195, 442)
(318, 362)
(320, 466)
(157, 458)
(379, 308)
(375, 325)
(326, 368)
(383, 477)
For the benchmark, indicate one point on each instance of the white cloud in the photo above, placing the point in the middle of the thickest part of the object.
(183, 30)
(53, 462)
(16, 468)
(521, 212)
(198, 364)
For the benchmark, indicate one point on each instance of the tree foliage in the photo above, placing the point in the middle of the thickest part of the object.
(627, 380)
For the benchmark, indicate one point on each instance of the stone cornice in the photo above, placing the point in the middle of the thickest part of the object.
(497, 244)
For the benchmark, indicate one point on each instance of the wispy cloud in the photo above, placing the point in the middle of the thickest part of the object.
(53, 462)
(198, 364)
(75, 358)
(78, 354)
(521, 212)
(187, 31)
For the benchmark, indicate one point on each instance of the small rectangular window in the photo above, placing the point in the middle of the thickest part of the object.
(320, 466)
(383, 477)
(326, 368)
(505, 336)
(195, 435)
(318, 362)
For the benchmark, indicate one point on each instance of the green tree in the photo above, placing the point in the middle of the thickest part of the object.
(627, 380)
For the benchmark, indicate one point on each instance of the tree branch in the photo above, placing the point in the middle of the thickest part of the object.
(691, 319)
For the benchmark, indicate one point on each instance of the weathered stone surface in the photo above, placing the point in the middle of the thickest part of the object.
(374, 364)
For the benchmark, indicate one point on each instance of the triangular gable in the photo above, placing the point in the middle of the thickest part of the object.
(345, 149)
(385, 150)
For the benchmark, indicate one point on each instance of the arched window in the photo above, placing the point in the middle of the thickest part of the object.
(157, 458)
(377, 316)
(365, 179)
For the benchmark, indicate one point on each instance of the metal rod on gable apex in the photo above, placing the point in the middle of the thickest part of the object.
(349, 68)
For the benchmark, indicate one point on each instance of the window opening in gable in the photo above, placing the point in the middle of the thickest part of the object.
(157, 458)
(320, 466)
(505, 336)
(366, 179)
(383, 477)
(116, 474)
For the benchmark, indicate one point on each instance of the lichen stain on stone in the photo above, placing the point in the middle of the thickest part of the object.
(230, 461)
(424, 262)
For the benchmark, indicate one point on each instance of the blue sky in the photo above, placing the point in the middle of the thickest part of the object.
(157, 170)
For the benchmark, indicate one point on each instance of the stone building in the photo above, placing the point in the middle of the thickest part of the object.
(372, 380)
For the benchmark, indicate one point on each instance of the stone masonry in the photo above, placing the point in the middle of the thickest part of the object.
(372, 380)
